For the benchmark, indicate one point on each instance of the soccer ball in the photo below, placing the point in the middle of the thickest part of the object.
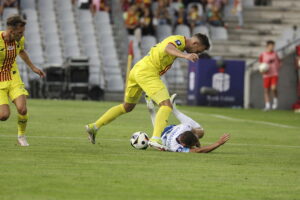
(263, 67)
(139, 140)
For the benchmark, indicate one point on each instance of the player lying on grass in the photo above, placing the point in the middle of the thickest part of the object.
(185, 136)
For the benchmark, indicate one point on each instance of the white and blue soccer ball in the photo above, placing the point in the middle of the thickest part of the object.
(139, 140)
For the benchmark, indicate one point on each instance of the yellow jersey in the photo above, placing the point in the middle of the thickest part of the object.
(159, 59)
(8, 54)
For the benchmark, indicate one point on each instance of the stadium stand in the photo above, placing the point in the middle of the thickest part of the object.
(57, 30)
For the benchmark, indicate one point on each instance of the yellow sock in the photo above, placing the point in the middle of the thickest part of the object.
(22, 122)
(110, 115)
(161, 120)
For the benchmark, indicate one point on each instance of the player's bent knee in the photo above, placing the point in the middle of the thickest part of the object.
(129, 107)
(22, 111)
(166, 103)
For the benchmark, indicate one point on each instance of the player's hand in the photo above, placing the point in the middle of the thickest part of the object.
(39, 72)
(224, 138)
(192, 57)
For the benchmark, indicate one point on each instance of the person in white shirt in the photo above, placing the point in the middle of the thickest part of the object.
(185, 136)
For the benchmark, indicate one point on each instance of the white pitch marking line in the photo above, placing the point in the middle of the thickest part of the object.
(247, 120)
(122, 140)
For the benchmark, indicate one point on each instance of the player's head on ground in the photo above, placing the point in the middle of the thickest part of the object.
(15, 27)
(197, 43)
(188, 139)
(270, 45)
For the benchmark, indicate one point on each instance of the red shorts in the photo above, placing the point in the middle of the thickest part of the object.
(269, 81)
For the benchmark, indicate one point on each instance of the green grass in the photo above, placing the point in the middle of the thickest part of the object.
(261, 161)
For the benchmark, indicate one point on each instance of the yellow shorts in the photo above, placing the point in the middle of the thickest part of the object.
(144, 77)
(13, 91)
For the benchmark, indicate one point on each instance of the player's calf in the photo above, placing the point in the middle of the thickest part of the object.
(4, 112)
(4, 117)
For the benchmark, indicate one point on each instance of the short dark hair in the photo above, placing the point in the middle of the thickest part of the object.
(270, 42)
(188, 138)
(15, 21)
(203, 39)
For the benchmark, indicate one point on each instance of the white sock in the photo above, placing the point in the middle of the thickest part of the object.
(185, 119)
(275, 101)
(268, 105)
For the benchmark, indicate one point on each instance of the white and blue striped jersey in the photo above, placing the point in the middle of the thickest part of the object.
(171, 135)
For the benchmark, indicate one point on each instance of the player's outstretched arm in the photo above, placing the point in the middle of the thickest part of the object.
(23, 54)
(172, 50)
(223, 139)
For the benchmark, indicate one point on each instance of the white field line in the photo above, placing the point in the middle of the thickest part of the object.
(123, 140)
(246, 120)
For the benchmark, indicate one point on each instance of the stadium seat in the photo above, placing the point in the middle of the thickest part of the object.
(66, 16)
(8, 12)
(147, 43)
(37, 58)
(88, 39)
(55, 59)
(47, 16)
(182, 30)
(27, 4)
(175, 74)
(44, 5)
(112, 70)
(86, 27)
(115, 83)
(94, 60)
(33, 38)
(201, 29)
(70, 39)
(104, 29)
(110, 60)
(84, 16)
(30, 14)
(51, 39)
(218, 33)
(71, 51)
(63, 5)
(68, 28)
(94, 79)
(31, 27)
(90, 50)
(163, 31)
(34, 49)
(52, 49)
(102, 17)
(49, 28)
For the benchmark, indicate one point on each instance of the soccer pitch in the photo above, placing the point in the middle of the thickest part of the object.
(261, 161)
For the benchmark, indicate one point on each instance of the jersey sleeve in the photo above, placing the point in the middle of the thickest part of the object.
(178, 42)
(22, 43)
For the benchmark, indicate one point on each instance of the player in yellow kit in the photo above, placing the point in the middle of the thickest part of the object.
(11, 85)
(145, 76)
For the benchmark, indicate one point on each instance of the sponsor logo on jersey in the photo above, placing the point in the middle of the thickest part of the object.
(10, 48)
(178, 42)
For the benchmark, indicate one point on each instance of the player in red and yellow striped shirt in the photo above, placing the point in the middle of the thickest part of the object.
(11, 85)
